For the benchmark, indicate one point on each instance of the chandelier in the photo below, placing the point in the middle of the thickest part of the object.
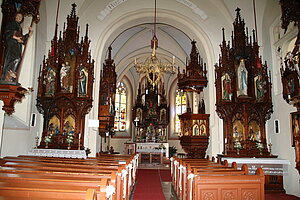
(152, 67)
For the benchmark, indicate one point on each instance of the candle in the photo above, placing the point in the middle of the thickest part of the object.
(173, 60)
(135, 61)
(225, 140)
(270, 141)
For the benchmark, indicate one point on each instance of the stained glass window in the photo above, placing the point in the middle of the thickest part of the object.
(180, 105)
(120, 108)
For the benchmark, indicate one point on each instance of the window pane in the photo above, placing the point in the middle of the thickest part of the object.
(120, 108)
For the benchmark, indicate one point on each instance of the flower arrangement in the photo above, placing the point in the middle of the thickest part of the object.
(48, 139)
(237, 145)
(70, 137)
(259, 146)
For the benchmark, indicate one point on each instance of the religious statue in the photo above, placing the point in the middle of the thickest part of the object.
(202, 130)
(49, 81)
(236, 135)
(196, 130)
(14, 39)
(82, 83)
(227, 94)
(242, 79)
(201, 108)
(65, 77)
(254, 135)
(260, 87)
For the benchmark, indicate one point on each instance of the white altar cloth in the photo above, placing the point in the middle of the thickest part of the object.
(61, 153)
(270, 166)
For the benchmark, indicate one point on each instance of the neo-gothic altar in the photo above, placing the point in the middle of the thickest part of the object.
(151, 113)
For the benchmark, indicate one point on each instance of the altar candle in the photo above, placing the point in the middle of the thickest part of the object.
(225, 140)
(270, 141)
(173, 60)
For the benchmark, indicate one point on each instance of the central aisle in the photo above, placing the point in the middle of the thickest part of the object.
(148, 185)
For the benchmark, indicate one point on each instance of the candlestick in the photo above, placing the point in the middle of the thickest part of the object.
(270, 148)
(36, 142)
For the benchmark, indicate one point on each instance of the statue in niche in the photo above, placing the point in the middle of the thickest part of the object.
(254, 135)
(226, 86)
(201, 107)
(259, 87)
(238, 130)
(242, 79)
(290, 86)
(82, 80)
(163, 115)
(196, 130)
(202, 130)
(139, 114)
(14, 39)
(65, 77)
(49, 81)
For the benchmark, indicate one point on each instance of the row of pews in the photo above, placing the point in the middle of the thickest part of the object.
(199, 179)
(109, 177)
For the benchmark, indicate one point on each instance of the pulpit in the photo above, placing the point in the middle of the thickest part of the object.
(194, 123)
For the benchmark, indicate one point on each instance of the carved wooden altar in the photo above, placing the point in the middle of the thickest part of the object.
(66, 87)
(107, 92)
(243, 94)
(11, 92)
(194, 124)
(151, 113)
(290, 72)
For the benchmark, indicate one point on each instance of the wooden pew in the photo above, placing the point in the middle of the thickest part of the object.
(26, 189)
(201, 179)
(131, 164)
(57, 166)
(230, 187)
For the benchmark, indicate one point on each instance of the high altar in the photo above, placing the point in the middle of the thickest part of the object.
(151, 113)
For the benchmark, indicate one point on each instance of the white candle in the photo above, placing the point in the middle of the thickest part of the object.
(225, 140)
(173, 60)
(135, 61)
(270, 141)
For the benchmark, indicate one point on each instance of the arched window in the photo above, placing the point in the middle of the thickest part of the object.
(180, 104)
(120, 108)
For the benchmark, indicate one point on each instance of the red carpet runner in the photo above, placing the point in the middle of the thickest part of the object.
(148, 186)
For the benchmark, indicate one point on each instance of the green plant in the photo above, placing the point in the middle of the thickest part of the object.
(172, 151)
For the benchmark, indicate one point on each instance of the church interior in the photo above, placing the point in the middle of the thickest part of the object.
(194, 86)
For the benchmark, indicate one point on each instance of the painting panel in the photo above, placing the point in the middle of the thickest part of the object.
(69, 125)
(226, 87)
(54, 126)
(238, 130)
(295, 125)
(82, 82)
(254, 131)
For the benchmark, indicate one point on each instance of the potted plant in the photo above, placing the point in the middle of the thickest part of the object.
(172, 151)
